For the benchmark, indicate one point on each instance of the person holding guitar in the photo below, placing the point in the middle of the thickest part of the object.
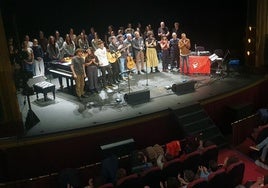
(115, 53)
(123, 57)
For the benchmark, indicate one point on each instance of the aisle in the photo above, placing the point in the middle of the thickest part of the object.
(252, 171)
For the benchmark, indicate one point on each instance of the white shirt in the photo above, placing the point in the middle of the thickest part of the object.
(102, 56)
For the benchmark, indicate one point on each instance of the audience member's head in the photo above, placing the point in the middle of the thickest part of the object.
(69, 177)
(141, 157)
(188, 175)
(138, 158)
(168, 157)
(172, 182)
(208, 143)
(121, 172)
(109, 168)
(213, 165)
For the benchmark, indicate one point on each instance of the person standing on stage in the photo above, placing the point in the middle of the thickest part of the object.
(113, 49)
(53, 49)
(39, 65)
(68, 47)
(104, 65)
(163, 30)
(176, 29)
(79, 74)
(184, 46)
(123, 59)
(138, 48)
(164, 44)
(91, 63)
(27, 57)
(151, 53)
(174, 52)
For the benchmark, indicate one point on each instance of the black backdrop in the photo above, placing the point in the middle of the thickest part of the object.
(221, 24)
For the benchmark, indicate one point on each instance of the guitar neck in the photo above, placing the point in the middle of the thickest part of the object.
(120, 50)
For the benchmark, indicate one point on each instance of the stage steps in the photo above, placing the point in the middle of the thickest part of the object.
(193, 120)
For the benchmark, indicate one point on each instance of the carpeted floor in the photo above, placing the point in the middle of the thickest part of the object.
(252, 171)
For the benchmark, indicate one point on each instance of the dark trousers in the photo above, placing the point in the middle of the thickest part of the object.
(185, 64)
(106, 75)
(92, 74)
(165, 59)
(115, 69)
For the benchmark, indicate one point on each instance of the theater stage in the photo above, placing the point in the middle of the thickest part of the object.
(153, 93)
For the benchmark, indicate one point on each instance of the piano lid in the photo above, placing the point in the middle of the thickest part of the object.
(66, 64)
(60, 65)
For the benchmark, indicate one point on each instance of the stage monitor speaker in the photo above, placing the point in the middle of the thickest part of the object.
(137, 97)
(184, 87)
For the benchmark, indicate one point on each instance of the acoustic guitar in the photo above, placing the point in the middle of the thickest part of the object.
(130, 63)
(113, 56)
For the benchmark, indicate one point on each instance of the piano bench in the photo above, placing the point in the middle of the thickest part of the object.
(44, 87)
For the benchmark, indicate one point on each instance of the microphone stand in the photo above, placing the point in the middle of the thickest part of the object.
(146, 73)
(128, 81)
(128, 72)
(118, 99)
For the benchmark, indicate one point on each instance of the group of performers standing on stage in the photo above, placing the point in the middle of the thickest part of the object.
(118, 54)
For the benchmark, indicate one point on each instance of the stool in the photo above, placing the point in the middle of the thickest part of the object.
(44, 87)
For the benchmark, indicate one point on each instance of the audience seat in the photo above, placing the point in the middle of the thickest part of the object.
(172, 168)
(130, 181)
(217, 179)
(261, 134)
(235, 174)
(107, 185)
(209, 153)
(198, 183)
(258, 135)
(151, 177)
(191, 161)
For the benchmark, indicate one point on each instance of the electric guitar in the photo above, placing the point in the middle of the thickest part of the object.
(113, 56)
(130, 63)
